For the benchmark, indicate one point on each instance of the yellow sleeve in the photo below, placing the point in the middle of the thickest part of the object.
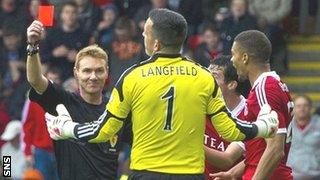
(111, 121)
(226, 126)
(120, 100)
(108, 130)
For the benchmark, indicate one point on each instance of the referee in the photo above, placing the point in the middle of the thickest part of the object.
(169, 97)
(77, 160)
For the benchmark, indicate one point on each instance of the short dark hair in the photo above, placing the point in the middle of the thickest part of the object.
(169, 27)
(256, 44)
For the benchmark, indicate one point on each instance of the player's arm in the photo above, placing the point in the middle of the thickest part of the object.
(34, 74)
(271, 157)
(101, 130)
(274, 151)
(224, 160)
(235, 129)
(234, 173)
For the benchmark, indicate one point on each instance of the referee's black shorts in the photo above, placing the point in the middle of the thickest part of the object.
(149, 175)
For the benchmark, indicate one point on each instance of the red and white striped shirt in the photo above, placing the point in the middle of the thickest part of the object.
(269, 89)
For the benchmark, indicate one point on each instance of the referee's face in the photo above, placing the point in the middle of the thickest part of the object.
(91, 75)
(149, 41)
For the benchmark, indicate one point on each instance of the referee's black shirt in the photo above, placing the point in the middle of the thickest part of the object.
(79, 160)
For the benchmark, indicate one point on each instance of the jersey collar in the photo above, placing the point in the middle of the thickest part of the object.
(155, 56)
(266, 74)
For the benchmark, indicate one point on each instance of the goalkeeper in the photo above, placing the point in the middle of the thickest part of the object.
(169, 97)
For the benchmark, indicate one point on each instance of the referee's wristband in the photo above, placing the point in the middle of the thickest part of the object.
(32, 49)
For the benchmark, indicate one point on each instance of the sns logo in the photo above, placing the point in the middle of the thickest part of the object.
(6, 170)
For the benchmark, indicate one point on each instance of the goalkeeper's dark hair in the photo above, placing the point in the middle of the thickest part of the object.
(169, 27)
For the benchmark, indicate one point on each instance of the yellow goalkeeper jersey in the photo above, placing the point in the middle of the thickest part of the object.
(169, 97)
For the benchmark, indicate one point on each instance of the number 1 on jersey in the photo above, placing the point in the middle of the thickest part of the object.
(169, 95)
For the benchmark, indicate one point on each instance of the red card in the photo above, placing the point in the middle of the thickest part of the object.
(46, 15)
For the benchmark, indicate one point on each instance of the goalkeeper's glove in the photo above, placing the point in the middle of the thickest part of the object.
(61, 126)
(267, 122)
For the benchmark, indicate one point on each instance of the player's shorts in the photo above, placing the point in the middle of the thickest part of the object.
(148, 175)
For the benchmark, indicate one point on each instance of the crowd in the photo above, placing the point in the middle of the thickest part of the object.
(117, 26)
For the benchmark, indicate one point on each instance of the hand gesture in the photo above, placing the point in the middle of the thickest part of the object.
(34, 32)
(222, 176)
(60, 51)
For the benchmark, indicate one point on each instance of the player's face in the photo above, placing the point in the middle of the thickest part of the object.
(148, 38)
(211, 38)
(218, 73)
(69, 15)
(238, 61)
(91, 75)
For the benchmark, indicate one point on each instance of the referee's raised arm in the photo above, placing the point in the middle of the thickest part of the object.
(34, 75)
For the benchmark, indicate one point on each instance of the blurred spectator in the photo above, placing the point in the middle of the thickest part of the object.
(308, 12)
(270, 15)
(104, 32)
(12, 57)
(12, 54)
(124, 51)
(174, 4)
(37, 144)
(12, 148)
(142, 14)
(304, 155)
(12, 12)
(36, 137)
(130, 7)
(191, 10)
(89, 15)
(211, 7)
(15, 101)
(63, 42)
(4, 118)
(70, 85)
(33, 8)
(317, 111)
(210, 48)
(54, 74)
(32, 174)
(124, 161)
(240, 20)
(102, 3)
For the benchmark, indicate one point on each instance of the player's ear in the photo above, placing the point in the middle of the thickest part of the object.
(245, 58)
(232, 85)
(75, 73)
(156, 45)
